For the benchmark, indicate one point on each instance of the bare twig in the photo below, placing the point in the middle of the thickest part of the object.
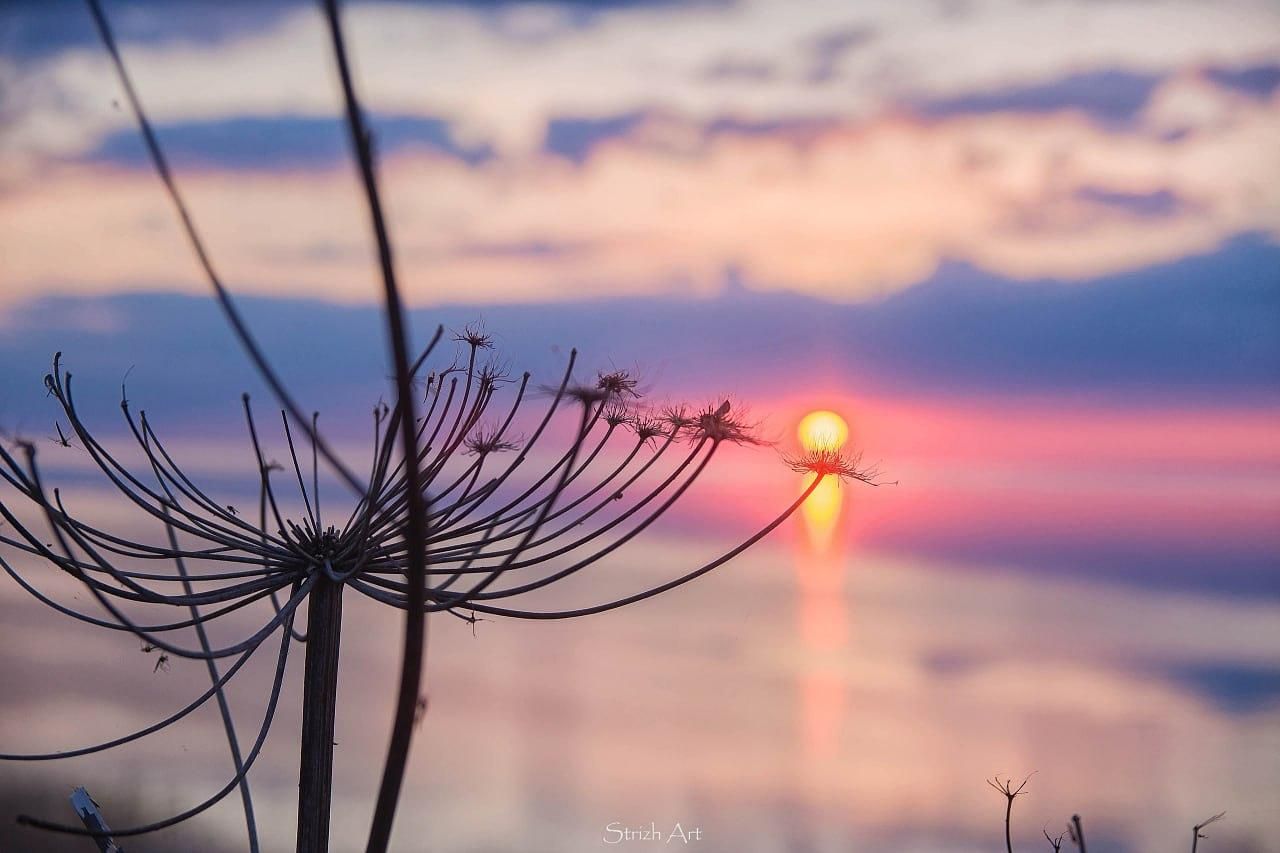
(1010, 794)
(1196, 834)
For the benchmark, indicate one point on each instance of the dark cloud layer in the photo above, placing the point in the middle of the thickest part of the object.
(1201, 329)
(577, 138)
(1232, 687)
(301, 143)
(1156, 204)
(829, 49)
(1258, 81)
(33, 29)
(1110, 97)
(574, 138)
(282, 143)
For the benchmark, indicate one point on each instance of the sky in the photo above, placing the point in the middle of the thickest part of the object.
(842, 153)
(1029, 250)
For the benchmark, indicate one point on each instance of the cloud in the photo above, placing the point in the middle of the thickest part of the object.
(280, 143)
(529, 249)
(574, 138)
(1166, 324)
(1155, 204)
(829, 50)
(578, 139)
(501, 71)
(1109, 97)
(739, 70)
(37, 29)
(33, 29)
(1112, 96)
(1258, 81)
(842, 210)
(1234, 688)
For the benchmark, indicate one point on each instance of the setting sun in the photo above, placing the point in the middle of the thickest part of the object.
(823, 429)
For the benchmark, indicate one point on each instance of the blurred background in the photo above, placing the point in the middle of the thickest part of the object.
(1026, 251)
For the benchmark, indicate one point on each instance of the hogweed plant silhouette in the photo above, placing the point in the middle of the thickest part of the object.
(448, 518)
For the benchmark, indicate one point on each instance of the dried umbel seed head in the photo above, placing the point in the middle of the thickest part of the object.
(676, 417)
(607, 389)
(829, 461)
(474, 335)
(616, 414)
(491, 375)
(648, 427)
(618, 383)
(719, 424)
(587, 395)
(486, 440)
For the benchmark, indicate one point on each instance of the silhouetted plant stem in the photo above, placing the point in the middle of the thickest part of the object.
(1008, 817)
(319, 712)
(414, 527)
(1077, 833)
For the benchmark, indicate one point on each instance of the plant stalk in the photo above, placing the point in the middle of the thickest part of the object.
(319, 712)
(1078, 833)
(1008, 816)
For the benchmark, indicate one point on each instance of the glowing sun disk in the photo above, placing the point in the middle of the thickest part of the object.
(823, 429)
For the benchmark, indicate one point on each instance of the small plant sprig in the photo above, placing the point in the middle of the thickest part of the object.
(1010, 793)
(1196, 834)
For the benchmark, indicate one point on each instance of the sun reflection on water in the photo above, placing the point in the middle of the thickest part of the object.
(822, 613)
(821, 513)
(822, 430)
